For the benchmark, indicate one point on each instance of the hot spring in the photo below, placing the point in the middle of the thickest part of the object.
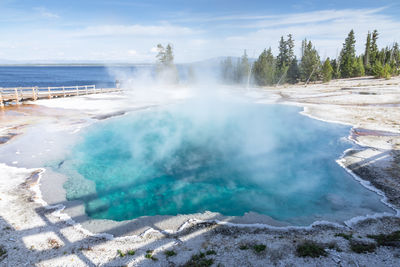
(230, 158)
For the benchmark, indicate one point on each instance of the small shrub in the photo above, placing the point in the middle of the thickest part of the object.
(3, 252)
(243, 247)
(310, 249)
(211, 252)
(259, 248)
(333, 245)
(170, 253)
(345, 236)
(149, 255)
(131, 252)
(359, 247)
(199, 260)
(390, 240)
(120, 253)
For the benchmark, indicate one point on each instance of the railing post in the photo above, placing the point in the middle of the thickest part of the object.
(63, 90)
(48, 88)
(86, 89)
(77, 90)
(16, 96)
(34, 96)
(1, 99)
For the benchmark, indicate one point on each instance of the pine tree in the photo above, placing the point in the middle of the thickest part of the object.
(227, 70)
(327, 71)
(243, 68)
(264, 68)
(290, 48)
(282, 61)
(293, 74)
(395, 59)
(165, 67)
(358, 68)
(367, 53)
(336, 70)
(169, 56)
(348, 57)
(387, 71)
(310, 62)
(377, 70)
(160, 55)
(374, 48)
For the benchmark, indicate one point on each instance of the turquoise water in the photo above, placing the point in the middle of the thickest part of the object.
(230, 158)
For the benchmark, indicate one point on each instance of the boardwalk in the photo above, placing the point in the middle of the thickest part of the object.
(17, 95)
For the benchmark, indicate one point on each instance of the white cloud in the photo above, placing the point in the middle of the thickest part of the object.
(228, 36)
(137, 30)
(44, 12)
(132, 52)
(326, 29)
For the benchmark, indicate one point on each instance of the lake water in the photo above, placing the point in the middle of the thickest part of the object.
(26, 76)
(227, 157)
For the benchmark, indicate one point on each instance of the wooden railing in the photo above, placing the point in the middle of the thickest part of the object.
(19, 94)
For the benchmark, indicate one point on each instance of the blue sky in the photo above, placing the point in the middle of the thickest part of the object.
(122, 30)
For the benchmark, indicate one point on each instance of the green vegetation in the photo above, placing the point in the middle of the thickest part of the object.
(238, 73)
(345, 236)
(390, 240)
(333, 245)
(310, 249)
(3, 252)
(170, 253)
(327, 71)
(264, 68)
(348, 60)
(310, 62)
(199, 260)
(243, 247)
(259, 248)
(285, 68)
(360, 247)
(211, 252)
(129, 252)
(165, 67)
(149, 255)
(120, 253)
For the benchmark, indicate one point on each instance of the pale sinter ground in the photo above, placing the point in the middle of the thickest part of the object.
(32, 234)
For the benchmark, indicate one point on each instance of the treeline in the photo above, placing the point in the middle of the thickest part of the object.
(286, 68)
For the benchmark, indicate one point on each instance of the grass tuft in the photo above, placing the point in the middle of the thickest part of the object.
(149, 255)
(359, 247)
(243, 247)
(259, 248)
(310, 249)
(3, 252)
(170, 253)
(389, 240)
(199, 260)
(131, 252)
(211, 252)
(345, 236)
(120, 253)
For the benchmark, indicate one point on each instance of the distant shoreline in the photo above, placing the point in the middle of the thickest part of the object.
(77, 65)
